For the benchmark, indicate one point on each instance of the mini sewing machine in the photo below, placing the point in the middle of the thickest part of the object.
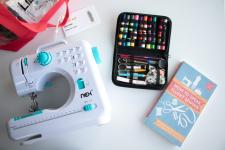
(87, 104)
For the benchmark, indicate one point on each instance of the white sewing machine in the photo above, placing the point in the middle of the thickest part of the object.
(87, 104)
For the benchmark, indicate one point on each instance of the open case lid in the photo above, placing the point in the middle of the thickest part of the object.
(155, 51)
(140, 51)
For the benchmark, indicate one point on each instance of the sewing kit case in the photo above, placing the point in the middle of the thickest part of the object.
(141, 51)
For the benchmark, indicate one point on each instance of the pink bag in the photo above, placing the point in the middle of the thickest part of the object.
(17, 33)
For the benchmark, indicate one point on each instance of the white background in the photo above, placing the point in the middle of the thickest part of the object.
(198, 37)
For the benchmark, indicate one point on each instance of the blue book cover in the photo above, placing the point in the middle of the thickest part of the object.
(180, 105)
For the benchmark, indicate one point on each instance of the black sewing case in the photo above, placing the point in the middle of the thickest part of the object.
(141, 51)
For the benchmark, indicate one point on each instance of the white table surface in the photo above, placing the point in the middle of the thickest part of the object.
(198, 37)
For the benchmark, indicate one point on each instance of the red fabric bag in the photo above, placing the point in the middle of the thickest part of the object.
(25, 32)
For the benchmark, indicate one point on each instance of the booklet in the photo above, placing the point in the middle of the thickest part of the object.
(180, 105)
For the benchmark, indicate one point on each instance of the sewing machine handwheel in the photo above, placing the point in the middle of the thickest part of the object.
(44, 58)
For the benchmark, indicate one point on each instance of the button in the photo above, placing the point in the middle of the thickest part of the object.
(74, 64)
(71, 50)
(25, 62)
(73, 58)
(162, 80)
(83, 70)
(80, 84)
(81, 62)
(58, 54)
(44, 58)
(162, 63)
(96, 55)
(76, 71)
(66, 59)
(89, 107)
(65, 52)
(77, 49)
(60, 61)
(79, 56)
